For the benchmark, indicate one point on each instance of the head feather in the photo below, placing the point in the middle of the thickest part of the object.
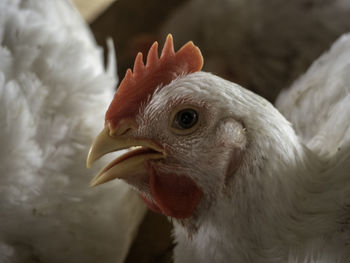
(140, 83)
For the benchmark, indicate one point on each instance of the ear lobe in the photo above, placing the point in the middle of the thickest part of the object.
(233, 139)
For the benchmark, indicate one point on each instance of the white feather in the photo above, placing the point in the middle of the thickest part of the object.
(318, 103)
(54, 92)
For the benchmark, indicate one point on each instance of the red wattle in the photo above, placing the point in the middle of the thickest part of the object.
(175, 195)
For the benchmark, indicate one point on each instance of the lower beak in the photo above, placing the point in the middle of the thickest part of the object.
(129, 164)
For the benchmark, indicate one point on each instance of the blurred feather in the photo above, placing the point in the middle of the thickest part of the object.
(318, 103)
(53, 94)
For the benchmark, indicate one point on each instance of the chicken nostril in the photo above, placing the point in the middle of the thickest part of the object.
(125, 131)
(121, 131)
(123, 128)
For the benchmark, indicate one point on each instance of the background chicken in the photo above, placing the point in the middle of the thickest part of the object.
(262, 45)
(227, 166)
(322, 93)
(53, 93)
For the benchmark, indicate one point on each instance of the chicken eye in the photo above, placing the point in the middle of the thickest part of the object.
(185, 119)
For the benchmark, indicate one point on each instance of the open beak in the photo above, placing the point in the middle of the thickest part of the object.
(128, 164)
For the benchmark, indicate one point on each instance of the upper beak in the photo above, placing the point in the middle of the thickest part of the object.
(133, 162)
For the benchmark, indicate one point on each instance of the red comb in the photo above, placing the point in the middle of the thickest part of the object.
(138, 85)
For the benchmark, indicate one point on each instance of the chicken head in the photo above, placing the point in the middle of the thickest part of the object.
(184, 144)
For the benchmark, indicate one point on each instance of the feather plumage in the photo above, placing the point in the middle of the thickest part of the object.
(53, 93)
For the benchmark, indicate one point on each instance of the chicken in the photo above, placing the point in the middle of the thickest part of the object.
(53, 93)
(225, 165)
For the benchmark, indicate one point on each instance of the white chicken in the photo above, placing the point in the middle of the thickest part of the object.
(53, 92)
(240, 184)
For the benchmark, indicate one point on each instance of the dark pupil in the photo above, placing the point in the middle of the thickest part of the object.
(187, 118)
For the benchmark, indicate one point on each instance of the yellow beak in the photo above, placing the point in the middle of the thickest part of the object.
(133, 162)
